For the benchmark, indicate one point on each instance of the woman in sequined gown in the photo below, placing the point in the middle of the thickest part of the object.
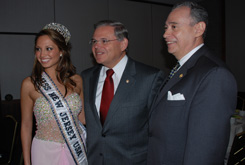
(52, 55)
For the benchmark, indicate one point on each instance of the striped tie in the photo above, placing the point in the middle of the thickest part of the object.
(173, 71)
(171, 74)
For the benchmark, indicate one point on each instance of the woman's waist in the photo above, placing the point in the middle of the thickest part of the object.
(51, 137)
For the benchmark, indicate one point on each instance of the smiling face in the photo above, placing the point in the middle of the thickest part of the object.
(108, 53)
(180, 34)
(47, 52)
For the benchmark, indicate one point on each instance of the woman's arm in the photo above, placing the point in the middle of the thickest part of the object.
(79, 87)
(26, 119)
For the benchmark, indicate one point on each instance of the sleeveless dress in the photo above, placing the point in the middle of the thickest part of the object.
(48, 145)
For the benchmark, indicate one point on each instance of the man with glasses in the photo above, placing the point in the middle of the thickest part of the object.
(118, 93)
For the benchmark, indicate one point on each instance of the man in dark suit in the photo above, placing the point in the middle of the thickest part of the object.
(190, 118)
(121, 136)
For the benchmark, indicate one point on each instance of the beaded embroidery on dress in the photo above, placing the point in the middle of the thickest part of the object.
(47, 128)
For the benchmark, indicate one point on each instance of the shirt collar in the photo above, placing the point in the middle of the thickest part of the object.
(119, 68)
(188, 55)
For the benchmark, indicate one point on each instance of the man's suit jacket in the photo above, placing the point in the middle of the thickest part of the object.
(123, 139)
(194, 131)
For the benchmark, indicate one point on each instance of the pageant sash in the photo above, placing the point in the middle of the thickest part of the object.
(65, 120)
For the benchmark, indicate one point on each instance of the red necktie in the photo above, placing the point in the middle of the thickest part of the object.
(107, 95)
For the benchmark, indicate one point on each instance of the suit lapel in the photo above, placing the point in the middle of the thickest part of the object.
(93, 88)
(174, 80)
(180, 74)
(125, 86)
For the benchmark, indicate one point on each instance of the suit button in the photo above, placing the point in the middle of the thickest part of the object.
(103, 135)
(101, 154)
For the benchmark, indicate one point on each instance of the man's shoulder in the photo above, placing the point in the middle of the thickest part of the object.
(144, 67)
(209, 58)
(90, 70)
(211, 61)
(208, 64)
(205, 59)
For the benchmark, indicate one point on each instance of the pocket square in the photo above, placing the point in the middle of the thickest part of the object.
(177, 96)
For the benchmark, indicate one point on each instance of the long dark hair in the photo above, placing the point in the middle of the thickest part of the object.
(64, 71)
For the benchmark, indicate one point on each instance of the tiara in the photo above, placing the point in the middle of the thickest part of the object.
(61, 29)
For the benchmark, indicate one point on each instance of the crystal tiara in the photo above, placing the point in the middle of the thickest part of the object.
(61, 29)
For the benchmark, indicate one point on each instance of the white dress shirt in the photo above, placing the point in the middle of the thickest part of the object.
(118, 71)
(188, 55)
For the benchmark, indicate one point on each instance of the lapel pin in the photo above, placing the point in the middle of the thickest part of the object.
(127, 81)
(181, 75)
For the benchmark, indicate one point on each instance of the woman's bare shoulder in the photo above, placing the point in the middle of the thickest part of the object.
(76, 78)
(27, 82)
(79, 83)
(27, 88)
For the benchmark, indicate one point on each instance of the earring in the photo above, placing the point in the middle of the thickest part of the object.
(60, 55)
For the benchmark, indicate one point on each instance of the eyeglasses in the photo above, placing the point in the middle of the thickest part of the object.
(103, 41)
